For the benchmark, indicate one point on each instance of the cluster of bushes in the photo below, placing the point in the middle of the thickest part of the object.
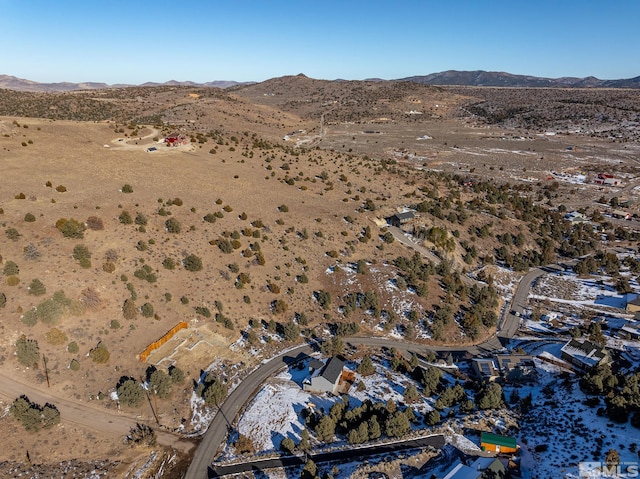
(158, 382)
(82, 254)
(288, 331)
(51, 310)
(227, 246)
(145, 273)
(360, 424)
(367, 301)
(481, 312)
(487, 395)
(71, 228)
(415, 273)
(32, 416)
(323, 298)
(224, 320)
(621, 393)
(436, 235)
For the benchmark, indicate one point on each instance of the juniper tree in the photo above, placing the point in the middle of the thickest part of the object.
(397, 424)
(366, 367)
(172, 225)
(192, 263)
(169, 263)
(129, 309)
(28, 352)
(215, 391)
(160, 384)
(326, 429)
(490, 396)
(130, 392)
(37, 288)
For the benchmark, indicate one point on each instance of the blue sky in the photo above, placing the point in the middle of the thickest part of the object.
(135, 41)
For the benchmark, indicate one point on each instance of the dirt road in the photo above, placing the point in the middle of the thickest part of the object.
(87, 415)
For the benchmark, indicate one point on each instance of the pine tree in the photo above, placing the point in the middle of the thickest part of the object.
(374, 428)
(287, 445)
(160, 384)
(326, 429)
(397, 424)
(366, 367)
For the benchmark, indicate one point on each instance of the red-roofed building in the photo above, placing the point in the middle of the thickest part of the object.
(176, 139)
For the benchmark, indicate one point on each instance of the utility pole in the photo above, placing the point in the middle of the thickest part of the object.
(155, 403)
(155, 416)
(46, 371)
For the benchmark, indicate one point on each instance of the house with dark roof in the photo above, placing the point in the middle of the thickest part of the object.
(400, 219)
(496, 443)
(481, 468)
(325, 378)
(584, 354)
(510, 367)
(486, 368)
(630, 329)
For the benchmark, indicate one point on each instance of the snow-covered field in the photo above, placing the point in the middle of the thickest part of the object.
(572, 431)
(560, 421)
(275, 412)
(568, 288)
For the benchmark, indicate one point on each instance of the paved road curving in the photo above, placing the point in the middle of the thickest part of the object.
(216, 434)
(217, 431)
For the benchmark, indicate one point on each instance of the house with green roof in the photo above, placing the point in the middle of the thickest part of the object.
(496, 443)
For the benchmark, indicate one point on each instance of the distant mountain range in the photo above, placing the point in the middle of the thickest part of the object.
(503, 79)
(13, 83)
(450, 77)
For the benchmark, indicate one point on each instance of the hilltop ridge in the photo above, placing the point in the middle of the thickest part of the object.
(449, 77)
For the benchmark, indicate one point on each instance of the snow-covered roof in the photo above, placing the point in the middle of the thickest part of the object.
(585, 351)
(474, 470)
